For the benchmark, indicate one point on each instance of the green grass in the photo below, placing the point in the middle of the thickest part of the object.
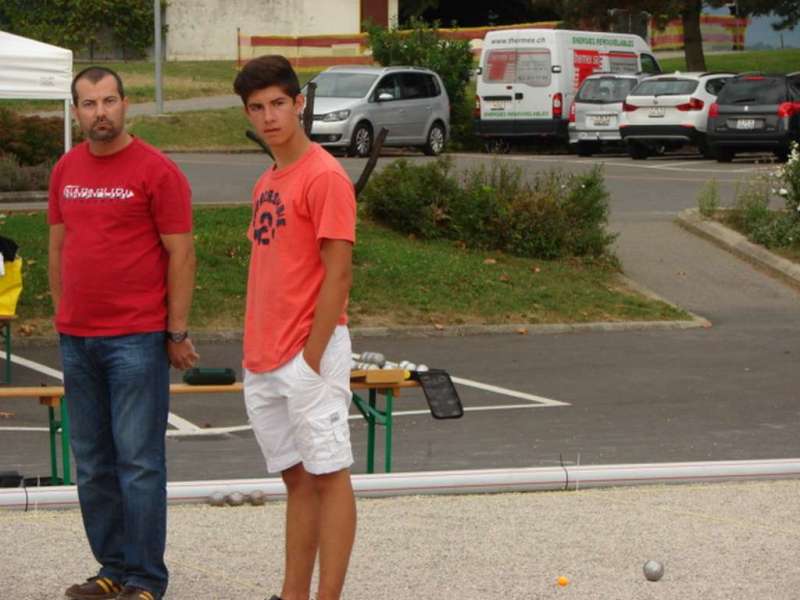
(769, 61)
(397, 280)
(185, 79)
(206, 129)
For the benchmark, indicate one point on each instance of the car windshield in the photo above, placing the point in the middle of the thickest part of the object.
(665, 87)
(605, 89)
(753, 90)
(343, 85)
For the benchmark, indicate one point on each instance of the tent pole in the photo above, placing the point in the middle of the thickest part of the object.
(67, 127)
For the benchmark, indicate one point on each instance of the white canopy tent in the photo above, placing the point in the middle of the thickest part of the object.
(32, 70)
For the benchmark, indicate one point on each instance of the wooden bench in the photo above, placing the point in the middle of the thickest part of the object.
(5, 333)
(58, 419)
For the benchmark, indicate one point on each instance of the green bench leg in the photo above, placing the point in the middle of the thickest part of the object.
(371, 433)
(6, 327)
(61, 424)
(387, 455)
(65, 443)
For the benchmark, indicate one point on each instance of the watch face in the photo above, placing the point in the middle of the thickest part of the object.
(177, 336)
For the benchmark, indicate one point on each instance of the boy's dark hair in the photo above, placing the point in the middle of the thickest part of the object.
(95, 74)
(264, 72)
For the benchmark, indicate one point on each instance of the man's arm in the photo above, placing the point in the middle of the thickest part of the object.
(180, 285)
(337, 257)
(54, 263)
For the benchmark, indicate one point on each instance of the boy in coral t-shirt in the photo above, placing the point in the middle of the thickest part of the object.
(296, 342)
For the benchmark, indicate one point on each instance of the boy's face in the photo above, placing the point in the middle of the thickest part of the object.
(274, 115)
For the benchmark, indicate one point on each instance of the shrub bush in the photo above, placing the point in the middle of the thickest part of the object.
(15, 178)
(32, 140)
(494, 208)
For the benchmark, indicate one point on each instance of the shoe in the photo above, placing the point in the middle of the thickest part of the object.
(135, 593)
(95, 588)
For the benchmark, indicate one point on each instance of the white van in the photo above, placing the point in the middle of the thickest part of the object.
(527, 78)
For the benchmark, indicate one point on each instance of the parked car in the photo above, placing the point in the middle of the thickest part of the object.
(756, 112)
(352, 104)
(595, 113)
(666, 112)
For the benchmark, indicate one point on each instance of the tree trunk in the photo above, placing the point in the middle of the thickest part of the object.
(692, 37)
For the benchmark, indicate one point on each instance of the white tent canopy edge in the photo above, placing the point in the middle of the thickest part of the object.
(33, 70)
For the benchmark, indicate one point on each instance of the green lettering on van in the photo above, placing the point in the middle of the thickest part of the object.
(592, 41)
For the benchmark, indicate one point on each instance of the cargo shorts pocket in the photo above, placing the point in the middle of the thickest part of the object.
(325, 438)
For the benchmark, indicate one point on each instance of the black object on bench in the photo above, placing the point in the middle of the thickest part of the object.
(207, 376)
(440, 393)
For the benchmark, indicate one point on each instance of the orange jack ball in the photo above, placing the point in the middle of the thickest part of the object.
(562, 581)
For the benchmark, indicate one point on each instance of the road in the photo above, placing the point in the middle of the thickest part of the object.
(722, 393)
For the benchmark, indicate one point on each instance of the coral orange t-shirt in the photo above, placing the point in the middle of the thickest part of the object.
(294, 209)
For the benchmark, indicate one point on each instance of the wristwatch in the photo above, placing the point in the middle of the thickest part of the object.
(176, 337)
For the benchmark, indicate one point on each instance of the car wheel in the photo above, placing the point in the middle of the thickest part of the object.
(637, 151)
(705, 149)
(361, 144)
(436, 139)
(723, 155)
(584, 149)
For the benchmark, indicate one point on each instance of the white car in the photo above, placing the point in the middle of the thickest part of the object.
(594, 115)
(669, 111)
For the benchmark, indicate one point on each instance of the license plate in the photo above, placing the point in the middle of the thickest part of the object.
(656, 111)
(603, 121)
(497, 106)
(745, 124)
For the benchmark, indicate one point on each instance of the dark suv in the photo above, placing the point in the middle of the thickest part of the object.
(755, 112)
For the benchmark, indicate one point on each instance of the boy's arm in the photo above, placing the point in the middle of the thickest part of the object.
(337, 256)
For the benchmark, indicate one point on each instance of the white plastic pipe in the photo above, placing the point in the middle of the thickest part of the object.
(567, 477)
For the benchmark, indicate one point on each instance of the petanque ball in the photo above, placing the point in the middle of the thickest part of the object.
(217, 499)
(653, 570)
(236, 499)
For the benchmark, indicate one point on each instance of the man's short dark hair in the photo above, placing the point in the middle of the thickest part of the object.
(95, 74)
(264, 72)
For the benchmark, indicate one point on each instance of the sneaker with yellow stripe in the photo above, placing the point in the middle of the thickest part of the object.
(95, 588)
(134, 593)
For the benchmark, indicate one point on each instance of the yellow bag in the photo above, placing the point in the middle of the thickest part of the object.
(11, 287)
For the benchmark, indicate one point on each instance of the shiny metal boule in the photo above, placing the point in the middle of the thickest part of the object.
(653, 570)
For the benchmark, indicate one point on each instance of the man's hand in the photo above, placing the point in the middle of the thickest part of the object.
(182, 355)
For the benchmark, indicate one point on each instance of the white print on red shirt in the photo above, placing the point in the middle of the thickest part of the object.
(76, 192)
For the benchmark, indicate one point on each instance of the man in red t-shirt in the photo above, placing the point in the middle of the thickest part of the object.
(121, 269)
(297, 349)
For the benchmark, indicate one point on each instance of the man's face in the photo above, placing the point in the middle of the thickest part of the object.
(100, 111)
(274, 115)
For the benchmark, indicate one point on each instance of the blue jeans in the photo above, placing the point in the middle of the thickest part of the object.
(117, 392)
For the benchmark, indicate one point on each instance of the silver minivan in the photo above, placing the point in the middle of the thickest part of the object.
(595, 113)
(352, 104)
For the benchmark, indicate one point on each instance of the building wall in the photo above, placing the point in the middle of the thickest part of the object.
(206, 29)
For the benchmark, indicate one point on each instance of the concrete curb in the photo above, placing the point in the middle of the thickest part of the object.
(738, 245)
(12, 197)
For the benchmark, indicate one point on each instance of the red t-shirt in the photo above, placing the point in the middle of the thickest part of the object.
(294, 209)
(113, 264)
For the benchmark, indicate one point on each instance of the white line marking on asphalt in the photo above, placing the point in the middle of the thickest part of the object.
(507, 392)
(178, 422)
(34, 366)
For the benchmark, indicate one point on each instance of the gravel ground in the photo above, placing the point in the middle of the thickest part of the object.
(720, 541)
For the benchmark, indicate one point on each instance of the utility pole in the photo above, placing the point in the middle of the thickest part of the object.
(157, 57)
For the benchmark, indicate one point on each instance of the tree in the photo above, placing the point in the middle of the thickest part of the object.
(787, 10)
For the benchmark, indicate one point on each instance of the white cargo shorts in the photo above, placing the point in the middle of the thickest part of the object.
(298, 415)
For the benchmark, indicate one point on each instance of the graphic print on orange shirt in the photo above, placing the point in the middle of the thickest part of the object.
(269, 213)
